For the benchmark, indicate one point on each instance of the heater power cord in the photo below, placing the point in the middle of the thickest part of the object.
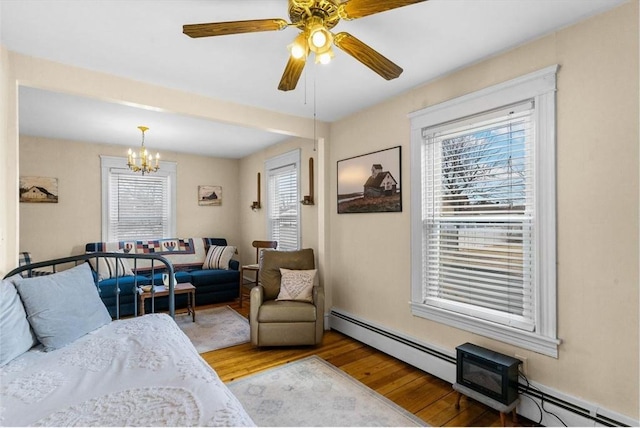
(541, 409)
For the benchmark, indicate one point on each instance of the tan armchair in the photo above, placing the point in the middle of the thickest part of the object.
(285, 322)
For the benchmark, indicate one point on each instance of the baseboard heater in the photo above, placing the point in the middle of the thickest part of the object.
(442, 364)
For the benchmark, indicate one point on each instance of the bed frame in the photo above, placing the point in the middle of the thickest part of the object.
(52, 266)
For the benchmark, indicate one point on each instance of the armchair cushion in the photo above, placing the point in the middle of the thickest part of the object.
(297, 285)
(287, 311)
(272, 261)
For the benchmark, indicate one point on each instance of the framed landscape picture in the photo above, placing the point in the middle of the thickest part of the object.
(370, 183)
(39, 189)
(209, 195)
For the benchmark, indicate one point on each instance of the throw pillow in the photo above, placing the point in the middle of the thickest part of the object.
(106, 267)
(296, 285)
(16, 336)
(62, 307)
(218, 257)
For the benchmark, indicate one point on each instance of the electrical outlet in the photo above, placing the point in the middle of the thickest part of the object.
(524, 364)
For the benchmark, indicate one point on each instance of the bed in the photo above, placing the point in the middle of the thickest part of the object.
(68, 364)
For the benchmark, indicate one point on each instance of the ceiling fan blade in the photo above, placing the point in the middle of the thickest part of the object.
(354, 9)
(233, 27)
(367, 55)
(292, 73)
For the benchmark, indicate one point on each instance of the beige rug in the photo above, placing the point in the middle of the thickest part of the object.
(312, 392)
(215, 328)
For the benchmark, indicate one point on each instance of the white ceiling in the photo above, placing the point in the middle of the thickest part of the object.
(143, 40)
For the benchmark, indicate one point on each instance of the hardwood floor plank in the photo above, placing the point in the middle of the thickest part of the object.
(466, 416)
(428, 397)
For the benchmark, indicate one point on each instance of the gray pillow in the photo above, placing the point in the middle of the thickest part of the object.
(62, 307)
(16, 336)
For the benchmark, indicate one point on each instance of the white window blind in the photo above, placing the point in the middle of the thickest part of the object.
(136, 206)
(283, 201)
(139, 206)
(478, 216)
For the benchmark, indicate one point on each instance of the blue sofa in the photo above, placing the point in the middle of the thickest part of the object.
(187, 256)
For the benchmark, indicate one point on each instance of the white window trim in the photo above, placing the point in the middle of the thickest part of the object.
(168, 169)
(292, 157)
(541, 87)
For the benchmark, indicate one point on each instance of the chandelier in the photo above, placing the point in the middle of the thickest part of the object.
(143, 162)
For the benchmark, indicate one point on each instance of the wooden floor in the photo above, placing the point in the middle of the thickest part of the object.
(428, 397)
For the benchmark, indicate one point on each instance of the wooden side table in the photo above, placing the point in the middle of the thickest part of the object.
(161, 290)
(502, 408)
(250, 284)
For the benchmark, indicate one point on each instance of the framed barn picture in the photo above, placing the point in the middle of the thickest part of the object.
(370, 183)
(209, 195)
(39, 189)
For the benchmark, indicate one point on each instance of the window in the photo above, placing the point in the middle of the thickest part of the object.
(136, 206)
(483, 217)
(283, 200)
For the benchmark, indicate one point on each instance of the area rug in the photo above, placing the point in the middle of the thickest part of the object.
(215, 328)
(312, 392)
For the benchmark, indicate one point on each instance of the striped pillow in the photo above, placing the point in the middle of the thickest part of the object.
(106, 267)
(218, 257)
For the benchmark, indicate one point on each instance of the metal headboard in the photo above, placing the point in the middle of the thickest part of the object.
(83, 258)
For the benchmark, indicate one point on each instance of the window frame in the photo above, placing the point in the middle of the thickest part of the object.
(539, 86)
(291, 158)
(167, 169)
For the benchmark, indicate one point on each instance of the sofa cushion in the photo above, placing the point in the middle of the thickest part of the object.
(62, 307)
(125, 282)
(16, 336)
(213, 276)
(286, 311)
(274, 260)
(218, 257)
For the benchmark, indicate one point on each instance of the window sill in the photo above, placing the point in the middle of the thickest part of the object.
(522, 339)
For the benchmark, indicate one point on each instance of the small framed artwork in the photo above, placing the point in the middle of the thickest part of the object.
(370, 183)
(39, 189)
(209, 195)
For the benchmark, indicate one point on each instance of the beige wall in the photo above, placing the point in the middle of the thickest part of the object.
(8, 165)
(597, 220)
(254, 223)
(62, 229)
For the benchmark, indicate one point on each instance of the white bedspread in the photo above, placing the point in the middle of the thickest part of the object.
(136, 372)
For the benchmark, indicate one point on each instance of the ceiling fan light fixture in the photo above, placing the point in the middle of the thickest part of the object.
(299, 48)
(320, 38)
(297, 51)
(325, 57)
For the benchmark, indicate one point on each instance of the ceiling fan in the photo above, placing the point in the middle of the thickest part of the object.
(315, 19)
